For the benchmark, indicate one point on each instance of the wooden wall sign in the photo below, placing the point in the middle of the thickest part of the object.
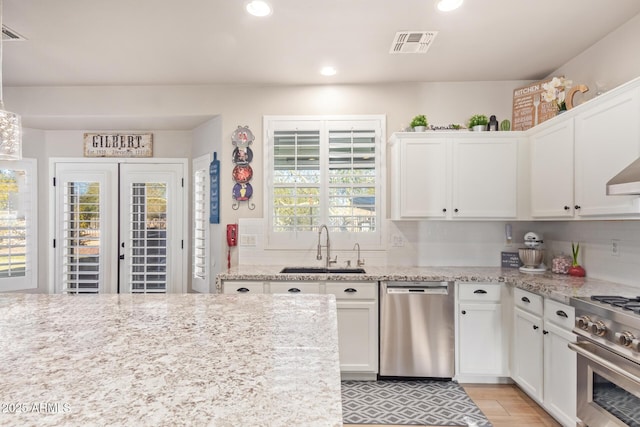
(529, 107)
(118, 145)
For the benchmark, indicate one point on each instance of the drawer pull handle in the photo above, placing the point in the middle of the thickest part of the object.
(525, 299)
(561, 313)
(351, 290)
(293, 290)
(242, 290)
(479, 291)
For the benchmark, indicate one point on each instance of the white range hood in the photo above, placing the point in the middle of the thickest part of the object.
(627, 182)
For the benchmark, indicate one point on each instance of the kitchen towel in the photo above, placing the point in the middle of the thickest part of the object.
(408, 402)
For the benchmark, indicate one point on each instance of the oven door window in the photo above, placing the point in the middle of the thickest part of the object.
(616, 400)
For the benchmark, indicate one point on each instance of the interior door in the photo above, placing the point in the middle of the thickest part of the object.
(118, 228)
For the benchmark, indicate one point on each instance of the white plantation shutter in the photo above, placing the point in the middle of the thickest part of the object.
(324, 171)
(18, 225)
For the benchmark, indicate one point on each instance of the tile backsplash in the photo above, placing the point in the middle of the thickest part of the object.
(472, 243)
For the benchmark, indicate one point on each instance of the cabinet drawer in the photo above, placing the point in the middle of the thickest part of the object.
(295, 287)
(349, 291)
(528, 301)
(239, 287)
(559, 314)
(478, 292)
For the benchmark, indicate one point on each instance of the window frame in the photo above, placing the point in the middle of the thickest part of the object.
(30, 279)
(325, 124)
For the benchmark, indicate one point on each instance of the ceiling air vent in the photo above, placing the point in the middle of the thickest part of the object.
(412, 41)
(9, 35)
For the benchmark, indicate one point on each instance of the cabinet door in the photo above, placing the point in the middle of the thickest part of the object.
(358, 336)
(485, 178)
(420, 176)
(527, 348)
(480, 342)
(552, 171)
(607, 140)
(559, 374)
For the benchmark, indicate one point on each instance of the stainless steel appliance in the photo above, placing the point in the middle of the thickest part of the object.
(417, 329)
(608, 352)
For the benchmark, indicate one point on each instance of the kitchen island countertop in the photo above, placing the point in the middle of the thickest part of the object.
(555, 286)
(178, 359)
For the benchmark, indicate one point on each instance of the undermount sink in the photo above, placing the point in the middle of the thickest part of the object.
(322, 270)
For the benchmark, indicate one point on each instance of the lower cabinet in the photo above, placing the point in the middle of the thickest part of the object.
(481, 339)
(542, 364)
(357, 311)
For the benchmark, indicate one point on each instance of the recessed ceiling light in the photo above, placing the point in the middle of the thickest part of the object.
(328, 71)
(258, 8)
(449, 5)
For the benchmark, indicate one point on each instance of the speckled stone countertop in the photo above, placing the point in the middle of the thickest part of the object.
(555, 286)
(181, 359)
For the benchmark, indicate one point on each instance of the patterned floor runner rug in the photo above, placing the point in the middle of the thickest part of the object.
(415, 402)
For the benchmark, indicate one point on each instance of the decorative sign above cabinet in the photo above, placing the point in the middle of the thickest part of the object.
(118, 145)
(530, 107)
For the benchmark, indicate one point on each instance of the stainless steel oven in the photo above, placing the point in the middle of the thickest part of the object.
(608, 355)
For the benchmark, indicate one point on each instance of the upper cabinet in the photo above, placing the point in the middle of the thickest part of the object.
(607, 139)
(454, 175)
(574, 155)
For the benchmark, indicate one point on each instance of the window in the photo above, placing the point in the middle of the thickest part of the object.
(18, 225)
(324, 171)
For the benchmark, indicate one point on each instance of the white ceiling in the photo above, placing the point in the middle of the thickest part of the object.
(148, 42)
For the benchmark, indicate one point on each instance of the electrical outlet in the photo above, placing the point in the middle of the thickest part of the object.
(615, 247)
(397, 241)
(248, 240)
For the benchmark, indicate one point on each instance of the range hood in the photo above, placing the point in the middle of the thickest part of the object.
(626, 182)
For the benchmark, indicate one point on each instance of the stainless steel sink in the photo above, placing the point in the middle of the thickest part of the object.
(322, 270)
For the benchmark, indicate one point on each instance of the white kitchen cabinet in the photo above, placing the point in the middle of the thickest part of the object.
(357, 312)
(559, 363)
(357, 304)
(243, 287)
(480, 345)
(527, 363)
(607, 136)
(552, 182)
(454, 175)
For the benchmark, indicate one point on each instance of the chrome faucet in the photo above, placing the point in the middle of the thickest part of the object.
(319, 255)
(360, 262)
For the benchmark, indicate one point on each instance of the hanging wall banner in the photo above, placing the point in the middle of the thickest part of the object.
(214, 173)
(118, 145)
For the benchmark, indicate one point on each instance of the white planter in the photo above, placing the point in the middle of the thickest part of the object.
(479, 128)
(419, 128)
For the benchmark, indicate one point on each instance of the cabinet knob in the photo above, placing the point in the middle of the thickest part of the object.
(455, 210)
(444, 210)
(536, 327)
(566, 208)
(544, 332)
(464, 311)
(576, 207)
(243, 290)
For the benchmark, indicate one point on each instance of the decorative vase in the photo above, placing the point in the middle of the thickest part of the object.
(419, 128)
(479, 128)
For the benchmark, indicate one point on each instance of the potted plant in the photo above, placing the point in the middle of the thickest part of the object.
(576, 269)
(419, 123)
(478, 122)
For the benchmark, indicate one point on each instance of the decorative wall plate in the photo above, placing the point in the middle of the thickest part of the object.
(242, 155)
(242, 192)
(242, 174)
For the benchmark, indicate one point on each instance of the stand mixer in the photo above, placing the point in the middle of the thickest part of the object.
(532, 255)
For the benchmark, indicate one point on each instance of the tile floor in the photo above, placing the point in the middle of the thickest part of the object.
(504, 406)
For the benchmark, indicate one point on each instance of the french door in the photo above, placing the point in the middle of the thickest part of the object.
(119, 227)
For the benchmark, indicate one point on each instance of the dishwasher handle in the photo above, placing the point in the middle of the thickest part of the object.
(419, 290)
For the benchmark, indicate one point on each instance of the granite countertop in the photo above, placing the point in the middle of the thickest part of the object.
(555, 286)
(178, 359)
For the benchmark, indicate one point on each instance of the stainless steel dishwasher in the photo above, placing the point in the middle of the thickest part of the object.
(417, 329)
